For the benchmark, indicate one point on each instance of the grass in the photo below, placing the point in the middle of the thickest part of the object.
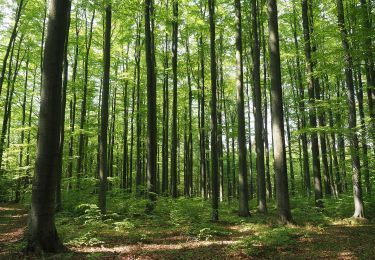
(182, 229)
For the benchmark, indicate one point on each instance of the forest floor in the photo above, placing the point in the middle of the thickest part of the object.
(185, 234)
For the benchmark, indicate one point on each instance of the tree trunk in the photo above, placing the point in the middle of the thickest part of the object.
(42, 234)
(151, 102)
(278, 132)
(62, 122)
(103, 167)
(174, 101)
(259, 139)
(312, 111)
(214, 139)
(242, 164)
(84, 102)
(354, 146)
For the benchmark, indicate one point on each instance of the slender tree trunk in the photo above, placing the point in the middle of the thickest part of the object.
(151, 102)
(73, 103)
(82, 123)
(174, 101)
(165, 145)
(214, 139)
(312, 111)
(301, 92)
(11, 82)
(242, 164)
(259, 139)
(202, 132)
(354, 146)
(23, 121)
(103, 167)
(11, 42)
(366, 170)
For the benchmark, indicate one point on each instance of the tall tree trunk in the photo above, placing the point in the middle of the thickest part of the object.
(301, 102)
(23, 121)
(164, 185)
(259, 139)
(202, 130)
(174, 101)
(214, 139)
(62, 122)
(242, 159)
(151, 102)
(366, 171)
(82, 123)
(354, 146)
(103, 167)
(42, 234)
(73, 103)
(190, 134)
(312, 110)
(278, 132)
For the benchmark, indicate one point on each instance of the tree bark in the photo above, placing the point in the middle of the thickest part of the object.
(354, 146)
(42, 234)
(278, 132)
(174, 101)
(214, 139)
(151, 102)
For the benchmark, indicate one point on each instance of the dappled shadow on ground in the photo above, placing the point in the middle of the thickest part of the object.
(12, 226)
(346, 240)
(330, 242)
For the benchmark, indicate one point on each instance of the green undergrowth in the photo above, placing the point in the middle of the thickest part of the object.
(129, 221)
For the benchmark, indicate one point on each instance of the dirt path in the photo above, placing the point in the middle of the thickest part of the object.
(332, 242)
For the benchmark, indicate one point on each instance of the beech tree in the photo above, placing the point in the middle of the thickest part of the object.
(42, 234)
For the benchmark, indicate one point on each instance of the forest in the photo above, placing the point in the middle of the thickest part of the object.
(187, 129)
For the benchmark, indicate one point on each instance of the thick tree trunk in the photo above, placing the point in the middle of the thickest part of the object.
(278, 132)
(62, 121)
(42, 234)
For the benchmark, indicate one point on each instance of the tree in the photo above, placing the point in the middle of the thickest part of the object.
(242, 165)
(278, 131)
(151, 102)
(103, 163)
(174, 101)
(214, 139)
(354, 147)
(42, 234)
(259, 142)
(312, 111)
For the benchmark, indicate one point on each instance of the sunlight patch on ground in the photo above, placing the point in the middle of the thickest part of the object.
(346, 255)
(129, 249)
(12, 236)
